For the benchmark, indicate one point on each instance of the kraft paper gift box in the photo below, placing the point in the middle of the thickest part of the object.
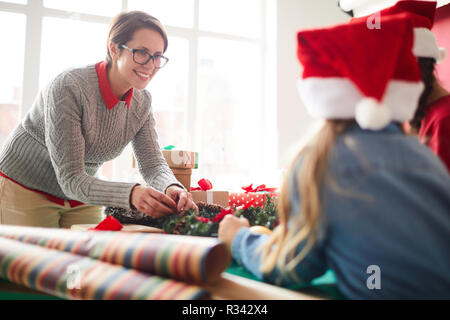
(184, 176)
(211, 197)
(181, 159)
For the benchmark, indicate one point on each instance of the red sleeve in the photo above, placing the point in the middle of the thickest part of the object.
(440, 140)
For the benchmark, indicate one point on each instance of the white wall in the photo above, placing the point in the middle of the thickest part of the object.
(292, 16)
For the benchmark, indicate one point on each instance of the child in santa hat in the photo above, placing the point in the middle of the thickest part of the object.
(361, 198)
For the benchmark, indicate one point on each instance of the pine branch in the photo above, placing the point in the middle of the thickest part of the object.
(201, 224)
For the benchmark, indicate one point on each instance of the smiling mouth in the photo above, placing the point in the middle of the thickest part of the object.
(143, 75)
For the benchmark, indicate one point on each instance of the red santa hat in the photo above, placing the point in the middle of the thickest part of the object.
(422, 14)
(351, 71)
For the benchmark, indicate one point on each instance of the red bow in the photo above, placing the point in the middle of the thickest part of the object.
(260, 188)
(204, 184)
(222, 214)
(249, 204)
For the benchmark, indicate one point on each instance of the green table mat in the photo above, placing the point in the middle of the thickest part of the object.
(11, 291)
(324, 286)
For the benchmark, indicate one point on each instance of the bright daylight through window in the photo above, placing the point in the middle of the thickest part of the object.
(210, 97)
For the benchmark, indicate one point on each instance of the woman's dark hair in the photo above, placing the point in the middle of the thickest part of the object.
(427, 69)
(123, 26)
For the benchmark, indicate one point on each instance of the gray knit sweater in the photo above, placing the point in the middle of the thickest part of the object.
(69, 133)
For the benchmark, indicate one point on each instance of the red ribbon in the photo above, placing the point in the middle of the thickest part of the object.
(222, 214)
(249, 204)
(203, 219)
(204, 185)
(108, 224)
(260, 188)
(217, 218)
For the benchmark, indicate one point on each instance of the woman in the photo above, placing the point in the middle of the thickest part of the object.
(83, 118)
(361, 198)
(432, 118)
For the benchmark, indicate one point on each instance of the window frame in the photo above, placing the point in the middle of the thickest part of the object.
(35, 11)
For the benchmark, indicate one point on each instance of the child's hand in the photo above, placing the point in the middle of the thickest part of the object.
(229, 227)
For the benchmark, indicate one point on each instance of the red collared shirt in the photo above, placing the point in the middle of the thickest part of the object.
(105, 88)
(435, 129)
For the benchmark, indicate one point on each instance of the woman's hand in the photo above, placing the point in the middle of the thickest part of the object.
(229, 227)
(152, 202)
(182, 198)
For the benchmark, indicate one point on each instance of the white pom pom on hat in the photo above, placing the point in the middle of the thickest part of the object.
(371, 114)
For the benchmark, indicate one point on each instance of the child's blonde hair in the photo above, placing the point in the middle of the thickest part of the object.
(279, 251)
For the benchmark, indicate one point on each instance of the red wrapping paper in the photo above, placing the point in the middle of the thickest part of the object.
(252, 196)
(108, 224)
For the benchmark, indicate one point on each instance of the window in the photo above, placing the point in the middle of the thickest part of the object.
(97, 7)
(70, 49)
(17, 1)
(169, 91)
(235, 17)
(177, 13)
(210, 98)
(11, 64)
(229, 109)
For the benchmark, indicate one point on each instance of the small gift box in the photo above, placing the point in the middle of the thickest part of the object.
(256, 196)
(180, 159)
(203, 193)
(183, 176)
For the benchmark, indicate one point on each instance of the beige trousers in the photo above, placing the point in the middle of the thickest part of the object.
(19, 206)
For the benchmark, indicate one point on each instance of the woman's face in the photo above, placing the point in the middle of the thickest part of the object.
(132, 74)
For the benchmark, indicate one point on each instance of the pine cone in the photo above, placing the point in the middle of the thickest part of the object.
(179, 227)
(210, 208)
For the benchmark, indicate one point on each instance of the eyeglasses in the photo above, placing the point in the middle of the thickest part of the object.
(140, 56)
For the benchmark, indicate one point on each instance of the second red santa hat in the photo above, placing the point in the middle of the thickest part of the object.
(351, 71)
(422, 14)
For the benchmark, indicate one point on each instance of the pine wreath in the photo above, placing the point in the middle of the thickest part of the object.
(206, 223)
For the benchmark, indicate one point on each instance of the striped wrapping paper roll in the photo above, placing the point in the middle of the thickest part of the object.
(187, 258)
(72, 276)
